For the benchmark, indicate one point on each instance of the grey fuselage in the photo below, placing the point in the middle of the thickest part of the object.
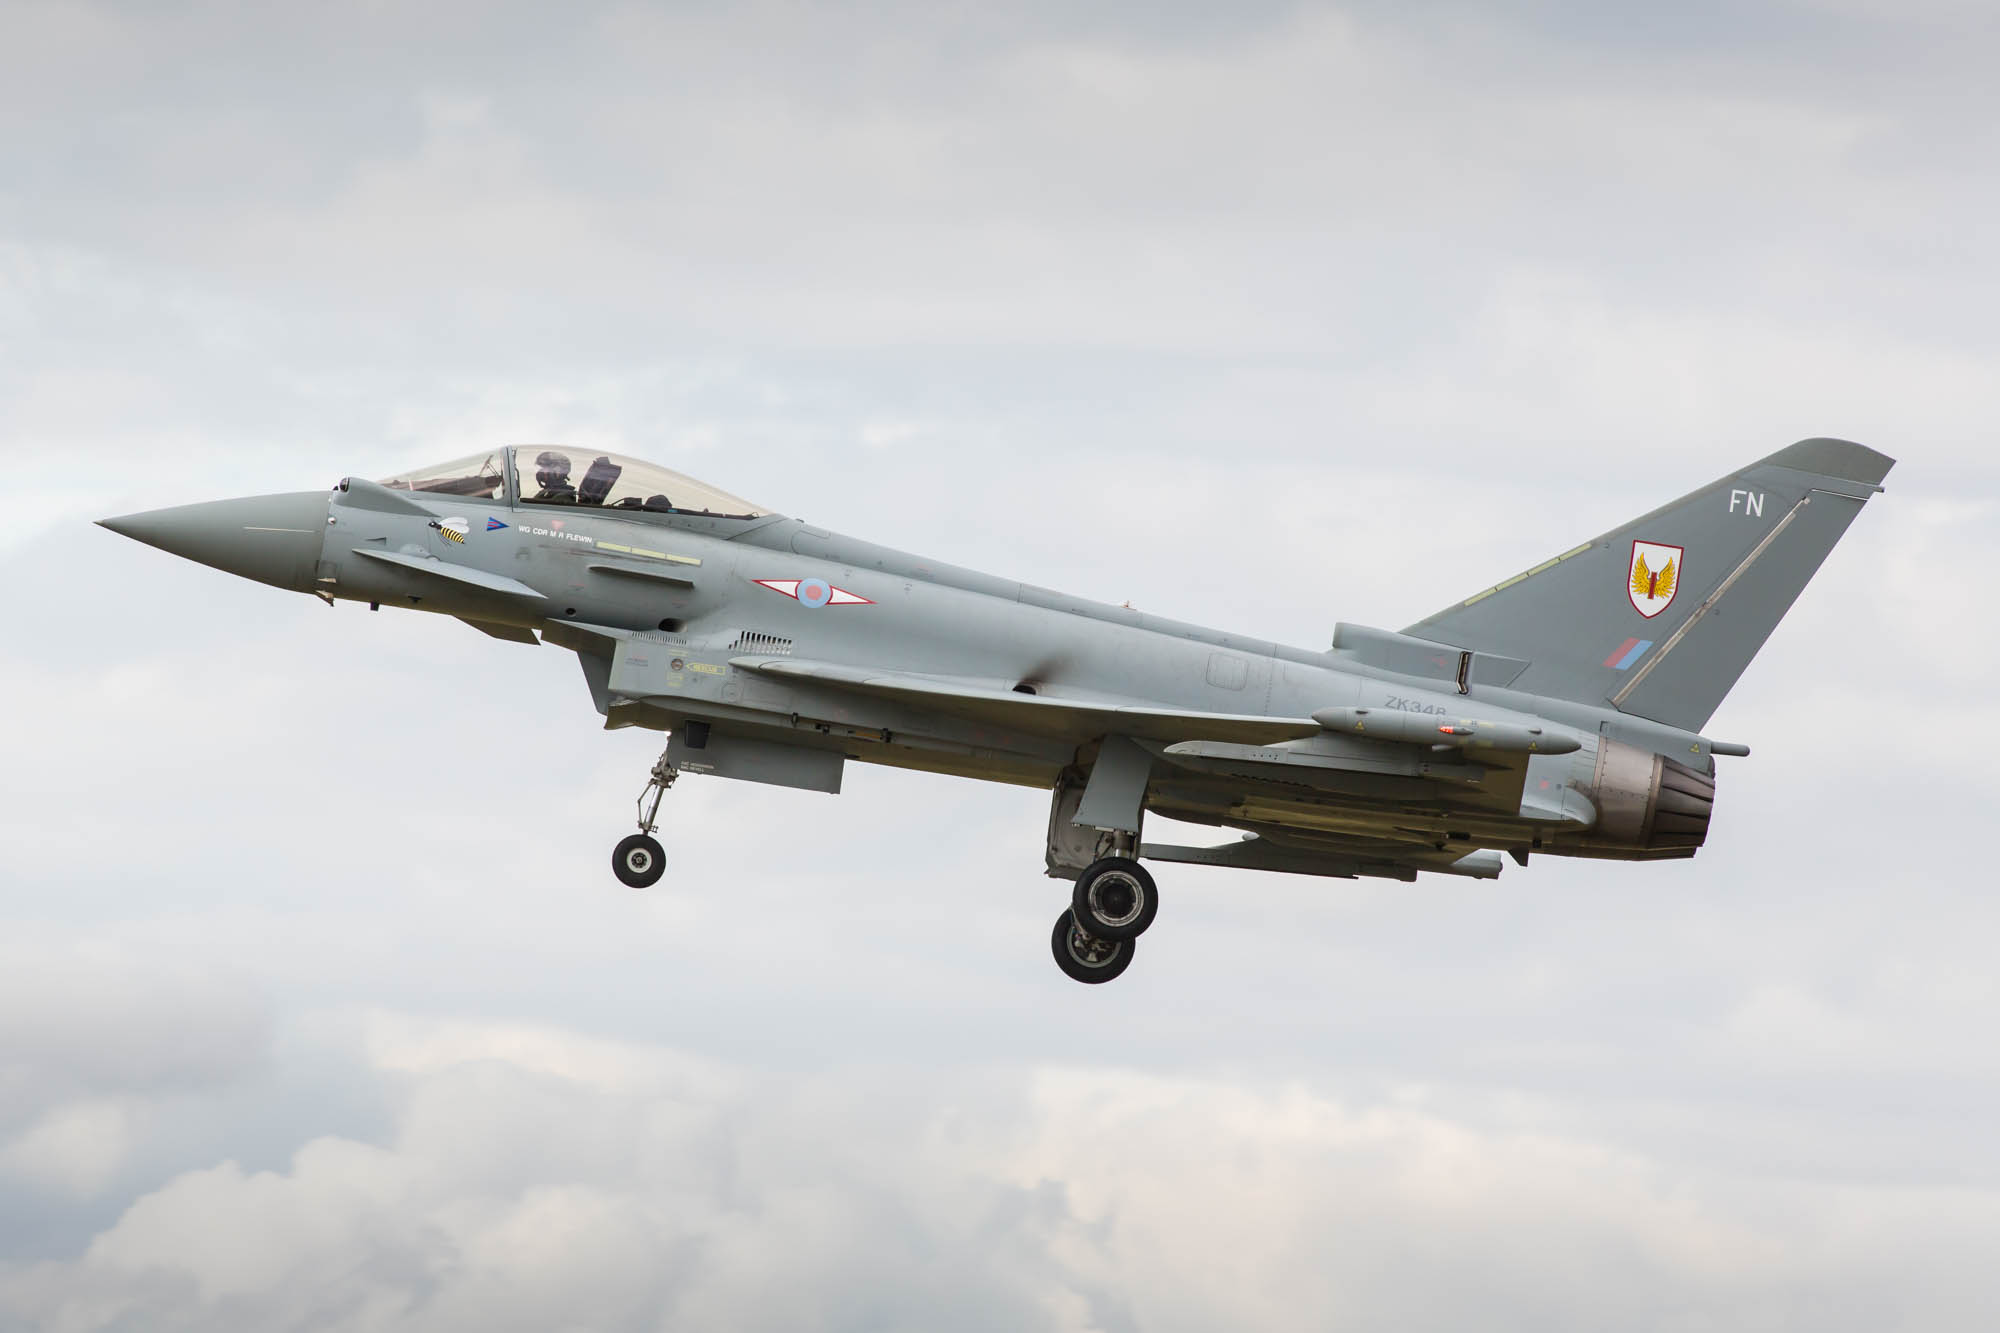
(664, 609)
(1556, 711)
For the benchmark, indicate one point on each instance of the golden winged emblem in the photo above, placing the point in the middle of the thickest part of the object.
(1652, 583)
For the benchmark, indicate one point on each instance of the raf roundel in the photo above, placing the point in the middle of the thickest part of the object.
(813, 593)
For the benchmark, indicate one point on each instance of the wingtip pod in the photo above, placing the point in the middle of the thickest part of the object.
(1829, 457)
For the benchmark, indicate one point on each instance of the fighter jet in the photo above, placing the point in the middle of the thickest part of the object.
(1558, 712)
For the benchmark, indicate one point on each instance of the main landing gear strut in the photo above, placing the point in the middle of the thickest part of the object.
(639, 860)
(1094, 823)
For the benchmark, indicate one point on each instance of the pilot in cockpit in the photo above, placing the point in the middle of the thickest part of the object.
(552, 474)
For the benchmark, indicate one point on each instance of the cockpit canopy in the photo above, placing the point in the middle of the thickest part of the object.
(480, 477)
(559, 475)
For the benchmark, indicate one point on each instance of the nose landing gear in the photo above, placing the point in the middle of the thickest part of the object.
(639, 860)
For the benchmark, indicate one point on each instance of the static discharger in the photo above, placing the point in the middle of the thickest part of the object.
(1393, 724)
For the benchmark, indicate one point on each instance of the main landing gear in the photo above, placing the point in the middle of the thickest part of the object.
(1113, 903)
(1115, 899)
(639, 860)
(1083, 957)
(1094, 823)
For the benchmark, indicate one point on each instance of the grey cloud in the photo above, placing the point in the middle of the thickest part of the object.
(103, 1049)
(74, 1025)
(1263, 319)
(1330, 231)
(583, 1184)
(1074, 180)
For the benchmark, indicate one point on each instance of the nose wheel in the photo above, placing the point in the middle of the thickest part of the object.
(639, 860)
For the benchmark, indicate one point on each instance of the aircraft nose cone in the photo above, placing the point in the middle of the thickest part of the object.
(274, 539)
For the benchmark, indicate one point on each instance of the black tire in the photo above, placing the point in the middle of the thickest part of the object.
(1075, 952)
(1115, 899)
(639, 861)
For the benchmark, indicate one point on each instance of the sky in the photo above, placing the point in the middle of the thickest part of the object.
(319, 1007)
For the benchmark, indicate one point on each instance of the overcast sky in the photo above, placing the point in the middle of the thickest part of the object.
(319, 1007)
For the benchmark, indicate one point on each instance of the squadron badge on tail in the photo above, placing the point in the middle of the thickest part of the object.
(1654, 578)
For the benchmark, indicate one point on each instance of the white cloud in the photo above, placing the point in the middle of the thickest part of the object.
(75, 1148)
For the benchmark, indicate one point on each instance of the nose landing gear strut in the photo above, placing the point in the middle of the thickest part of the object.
(639, 860)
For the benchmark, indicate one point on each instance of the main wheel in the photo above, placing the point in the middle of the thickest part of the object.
(1114, 899)
(639, 861)
(1086, 958)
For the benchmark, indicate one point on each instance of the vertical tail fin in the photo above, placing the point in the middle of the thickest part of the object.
(1660, 617)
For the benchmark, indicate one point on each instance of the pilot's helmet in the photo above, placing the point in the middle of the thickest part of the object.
(551, 468)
